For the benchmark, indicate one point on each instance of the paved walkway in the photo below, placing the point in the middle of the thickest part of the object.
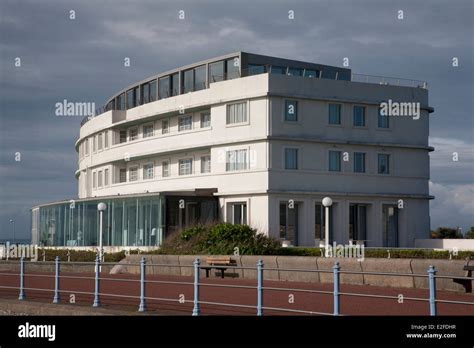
(289, 299)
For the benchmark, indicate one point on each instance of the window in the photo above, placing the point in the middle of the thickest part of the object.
(216, 71)
(329, 74)
(148, 171)
(165, 168)
(106, 177)
(237, 113)
(86, 143)
(291, 110)
(123, 136)
(132, 98)
(185, 123)
(175, 84)
(145, 97)
(121, 102)
(165, 126)
(255, 69)
(200, 78)
(357, 222)
(94, 179)
(289, 223)
(236, 160)
(94, 142)
(106, 139)
(123, 175)
(188, 80)
(133, 134)
(383, 163)
(205, 164)
(335, 161)
(291, 158)
(164, 87)
(205, 120)
(359, 116)
(232, 68)
(99, 141)
(359, 162)
(382, 120)
(295, 72)
(133, 174)
(99, 178)
(280, 70)
(334, 113)
(186, 166)
(311, 73)
(239, 213)
(148, 130)
(153, 90)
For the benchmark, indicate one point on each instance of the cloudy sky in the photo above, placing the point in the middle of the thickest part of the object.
(82, 59)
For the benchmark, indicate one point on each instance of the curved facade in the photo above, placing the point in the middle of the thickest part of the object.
(258, 140)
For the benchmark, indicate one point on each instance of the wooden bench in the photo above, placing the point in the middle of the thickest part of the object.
(218, 263)
(467, 283)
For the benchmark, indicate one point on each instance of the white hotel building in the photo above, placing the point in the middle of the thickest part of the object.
(238, 138)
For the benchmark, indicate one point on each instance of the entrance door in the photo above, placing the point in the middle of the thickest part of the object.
(289, 222)
(390, 222)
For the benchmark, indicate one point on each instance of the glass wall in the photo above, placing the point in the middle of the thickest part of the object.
(126, 221)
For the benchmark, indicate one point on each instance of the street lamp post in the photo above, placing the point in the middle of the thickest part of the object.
(101, 207)
(13, 228)
(327, 202)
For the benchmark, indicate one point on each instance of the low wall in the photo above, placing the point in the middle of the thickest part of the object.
(450, 244)
(183, 266)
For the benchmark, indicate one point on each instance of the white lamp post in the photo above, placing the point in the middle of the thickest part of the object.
(13, 227)
(101, 207)
(327, 202)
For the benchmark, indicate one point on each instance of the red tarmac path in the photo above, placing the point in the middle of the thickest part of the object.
(349, 305)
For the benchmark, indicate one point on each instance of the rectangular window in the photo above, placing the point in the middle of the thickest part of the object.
(237, 113)
(106, 177)
(94, 142)
(133, 134)
(239, 213)
(335, 161)
(153, 90)
(236, 160)
(188, 80)
(165, 126)
(148, 171)
(291, 110)
(133, 174)
(99, 142)
(145, 97)
(175, 84)
(359, 162)
(382, 120)
(334, 113)
(200, 78)
(357, 222)
(185, 123)
(186, 166)
(132, 98)
(121, 102)
(164, 87)
(289, 223)
(216, 71)
(106, 139)
(123, 175)
(148, 131)
(205, 120)
(279, 70)
(123, 136)
(295, 72)
(383, 163)
(165, 169)
(359, 116)
(205, 164)
(255, 69)
(94, 179)
(291, 158)
(86, 143)
(311, 73)
(99, 178)
(232, 68)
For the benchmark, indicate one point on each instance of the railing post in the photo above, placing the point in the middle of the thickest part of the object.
(197, 269)
(432, 281)
(97, 283)
(57, 296)
(336, 287)
(260, 287)
(142, 307)
(22, 279)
